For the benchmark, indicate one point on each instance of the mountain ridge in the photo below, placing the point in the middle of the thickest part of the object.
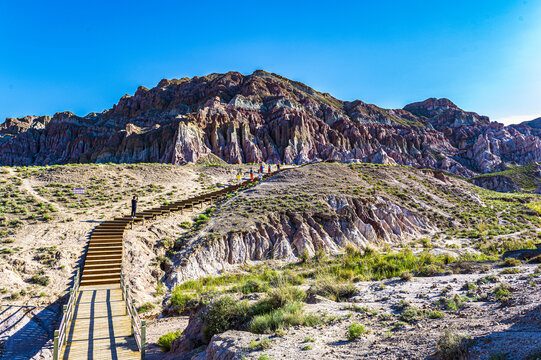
(265, 117)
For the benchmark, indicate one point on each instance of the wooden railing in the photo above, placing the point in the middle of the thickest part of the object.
(60, 335)
(138, 326)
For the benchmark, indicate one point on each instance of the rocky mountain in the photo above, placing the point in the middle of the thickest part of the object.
(525, 178)
(535, 123)
(265, 117)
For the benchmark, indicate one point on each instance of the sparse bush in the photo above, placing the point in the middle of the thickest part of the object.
(159, 289)
(453, 346)
(181, 301)
(186, 224)
(224, 314)
(406, 276)
(502, 291)
(411, 314)
(146, 307)
(166, 340)
(40, 279)
(331, 289)
(253, 286)
(435, 314)
(283, 295)
(355, 330)
(291, 314)
(259, 345)
(511, 262)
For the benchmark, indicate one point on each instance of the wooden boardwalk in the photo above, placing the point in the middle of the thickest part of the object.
(101, 327)
(101, 321)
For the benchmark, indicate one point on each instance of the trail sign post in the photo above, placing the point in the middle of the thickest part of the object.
(78, 191)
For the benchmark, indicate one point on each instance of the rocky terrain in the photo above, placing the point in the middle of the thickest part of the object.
(266, 117)
(283, 242)
(525, 178)
(297, 239)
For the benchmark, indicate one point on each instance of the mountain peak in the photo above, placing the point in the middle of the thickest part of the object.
(431, 104)
(444, 113)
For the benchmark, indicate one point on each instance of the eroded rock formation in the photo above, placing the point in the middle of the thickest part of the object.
(264, 117)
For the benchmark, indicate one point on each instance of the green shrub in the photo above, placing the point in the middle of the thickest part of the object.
(511, 262)
(165, 340)
(259, 345)
(502, 291)
(146, 307)
(39, 279)
(253, 285)
(406, 276)
(453, 346)
(291, 314)
(355, 330)
(224, 314)
(283, 295)
(185, 224)
(180, 300)
(411, 314)
(331, 289)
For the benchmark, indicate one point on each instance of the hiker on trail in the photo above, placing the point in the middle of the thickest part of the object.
(260, 175)
(261, 168)
(278, 165)
(269, 168)
(239, 178)
(134, 205)
(251, 175)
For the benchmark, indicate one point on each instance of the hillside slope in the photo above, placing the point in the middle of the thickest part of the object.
(326, 206)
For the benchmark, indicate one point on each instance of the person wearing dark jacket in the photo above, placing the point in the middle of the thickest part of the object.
(134, 205)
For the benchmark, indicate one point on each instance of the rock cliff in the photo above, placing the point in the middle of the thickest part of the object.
(264, 117)
(320, 207)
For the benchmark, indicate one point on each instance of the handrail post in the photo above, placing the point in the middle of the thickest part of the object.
(126, 297)
(132, 317)
(143, 338)
(55, 346)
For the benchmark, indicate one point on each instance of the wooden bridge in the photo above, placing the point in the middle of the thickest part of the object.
(100, 320)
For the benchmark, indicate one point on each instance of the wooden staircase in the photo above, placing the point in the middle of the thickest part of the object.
(103, 260)
(100, 320)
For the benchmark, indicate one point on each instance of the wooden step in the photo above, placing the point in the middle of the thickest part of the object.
(100, 282)
(93, 267)
(109, 247)
(110, 236)
(111, 275)
(102, 252)
(92, 262)
(95, 258)
(105, 242)
(103, 270)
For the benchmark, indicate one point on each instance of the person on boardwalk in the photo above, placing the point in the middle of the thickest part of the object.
(251, 175)
(239, 178)
(134, 205)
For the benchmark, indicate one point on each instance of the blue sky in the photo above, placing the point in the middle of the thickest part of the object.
(82, 56)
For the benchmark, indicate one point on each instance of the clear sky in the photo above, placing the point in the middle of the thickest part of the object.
(82, 56)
